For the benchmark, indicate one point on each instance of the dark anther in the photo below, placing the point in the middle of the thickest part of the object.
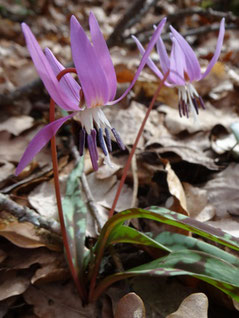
(82, 142)
(108, 139)
(102, 142)
(118, 139)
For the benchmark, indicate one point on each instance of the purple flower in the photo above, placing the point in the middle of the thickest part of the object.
(97, 88)
(184, 68)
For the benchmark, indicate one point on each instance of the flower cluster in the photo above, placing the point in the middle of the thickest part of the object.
(97, 88)
(184, 69)
(97, 83)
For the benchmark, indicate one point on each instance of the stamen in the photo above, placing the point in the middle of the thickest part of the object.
(108, 139)
(102, 142)
(183, 107)
(201, 102)
(179, 108)
(93, 134)
(93, 151)
(82, 142)
(118, 139)
(195, 104)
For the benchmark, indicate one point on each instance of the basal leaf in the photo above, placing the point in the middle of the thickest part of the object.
(201, 265)
(168, 217)
(125, 234)
(176, 242)
(75, 211)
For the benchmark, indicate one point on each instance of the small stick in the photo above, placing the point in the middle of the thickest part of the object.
(25, 214)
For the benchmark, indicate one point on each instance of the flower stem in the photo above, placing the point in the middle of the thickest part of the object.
(80, 288)
(126, 167)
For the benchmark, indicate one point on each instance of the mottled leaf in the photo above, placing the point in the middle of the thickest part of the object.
(211, 269)
(176, 242)
(168, 217)
(125, 234)
(75, 211)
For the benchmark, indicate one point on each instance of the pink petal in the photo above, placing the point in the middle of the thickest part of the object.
(218, 49)
(192, 65)
(39, 141)
(45, 72)
(90, 72)
(177, 64)
(163, 55)
(144, 59)
(150, 63)
(67, 82)
(103, 55)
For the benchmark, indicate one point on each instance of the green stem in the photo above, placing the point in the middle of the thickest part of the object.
(125, 171)
(80, 288)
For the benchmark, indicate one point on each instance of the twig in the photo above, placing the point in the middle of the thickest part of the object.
(131, 17)
(25, 214)
(87, 191)
(230, 17)
(143, 37)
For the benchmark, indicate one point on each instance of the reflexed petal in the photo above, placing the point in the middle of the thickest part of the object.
(150, 63)
(192, 65)
(67, 82)
(218, 49)
(39, 141)
(45, 72)
(177, 64)
(143, 60)
(103, 55)
(90, 72)
(163, 55)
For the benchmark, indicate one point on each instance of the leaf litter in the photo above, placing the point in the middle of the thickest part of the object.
(187, 166)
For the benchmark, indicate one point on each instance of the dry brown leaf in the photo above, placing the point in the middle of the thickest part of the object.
(24, 234)
(13, 283)
(160, 295)
(194, 306)
(223, 191)
(130, 306)
(16, 125)
(205, 120)
(6, 169)
(103, 192)
(128, 121)
(197, 203)
(175, 186)
(58, 300)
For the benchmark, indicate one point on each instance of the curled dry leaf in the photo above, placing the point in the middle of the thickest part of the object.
(13, 283)
(130, 306)
(175, 186)
(194, 306)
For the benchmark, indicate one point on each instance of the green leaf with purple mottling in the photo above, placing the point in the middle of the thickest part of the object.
(203, 266)
(75, 212)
